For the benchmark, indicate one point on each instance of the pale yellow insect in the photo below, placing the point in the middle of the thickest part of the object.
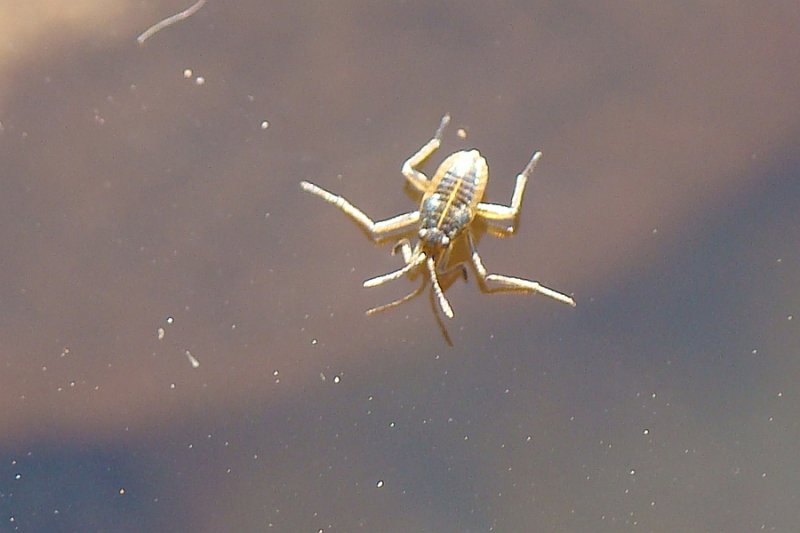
(451, 201)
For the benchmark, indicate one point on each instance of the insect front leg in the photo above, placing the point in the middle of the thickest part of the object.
(414, 176)
(444, 305)
(376, 230)
(509, 213)
(499, 282)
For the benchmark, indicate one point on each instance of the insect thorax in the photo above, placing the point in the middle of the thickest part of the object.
(449, 207)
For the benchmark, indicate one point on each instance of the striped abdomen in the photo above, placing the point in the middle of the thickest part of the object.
(456, 189)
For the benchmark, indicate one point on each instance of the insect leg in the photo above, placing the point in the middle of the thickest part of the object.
(404, 245)
(509, 213)
(508, 283)
(410, 265)
(376, 230)
(414, 176)
(399, 301)
(444, 305)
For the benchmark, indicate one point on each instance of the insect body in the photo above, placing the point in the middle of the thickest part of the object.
(451, 201)
(455, 190)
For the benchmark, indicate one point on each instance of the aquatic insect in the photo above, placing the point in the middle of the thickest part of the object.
(451, 201)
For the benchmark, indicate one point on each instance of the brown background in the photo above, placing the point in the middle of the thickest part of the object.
(667, 202)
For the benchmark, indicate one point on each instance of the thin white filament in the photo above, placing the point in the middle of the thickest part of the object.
(169, 21)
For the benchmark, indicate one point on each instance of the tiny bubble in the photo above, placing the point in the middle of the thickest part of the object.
(646, 432)
(313, 342)
(122, 492)
(200, 80)
(170, 320)
(265, 125)
(187, 73)
(462, 133)
(632, 472)
(336, 379)
(160, 333)
(18, 477)
(379, 484)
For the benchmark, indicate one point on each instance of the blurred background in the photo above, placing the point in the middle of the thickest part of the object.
(184, 345)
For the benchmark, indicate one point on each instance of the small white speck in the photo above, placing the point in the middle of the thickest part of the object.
(646, 431)
(160, 333)
(264, 124)
(170, 320)
(379, 484)
(187, 73)
(336, 379)
(122, 492)
(462, 133)
(313, 342)
(200, 80)
(192, 359)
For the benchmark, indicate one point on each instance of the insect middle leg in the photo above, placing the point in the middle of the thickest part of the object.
(376, 230)
(414, 176)
(509, 213)
(501, 282)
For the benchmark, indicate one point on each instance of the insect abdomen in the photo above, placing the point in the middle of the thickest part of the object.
(457, 187)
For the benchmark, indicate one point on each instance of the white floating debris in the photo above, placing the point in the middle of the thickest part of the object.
(192, 359)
